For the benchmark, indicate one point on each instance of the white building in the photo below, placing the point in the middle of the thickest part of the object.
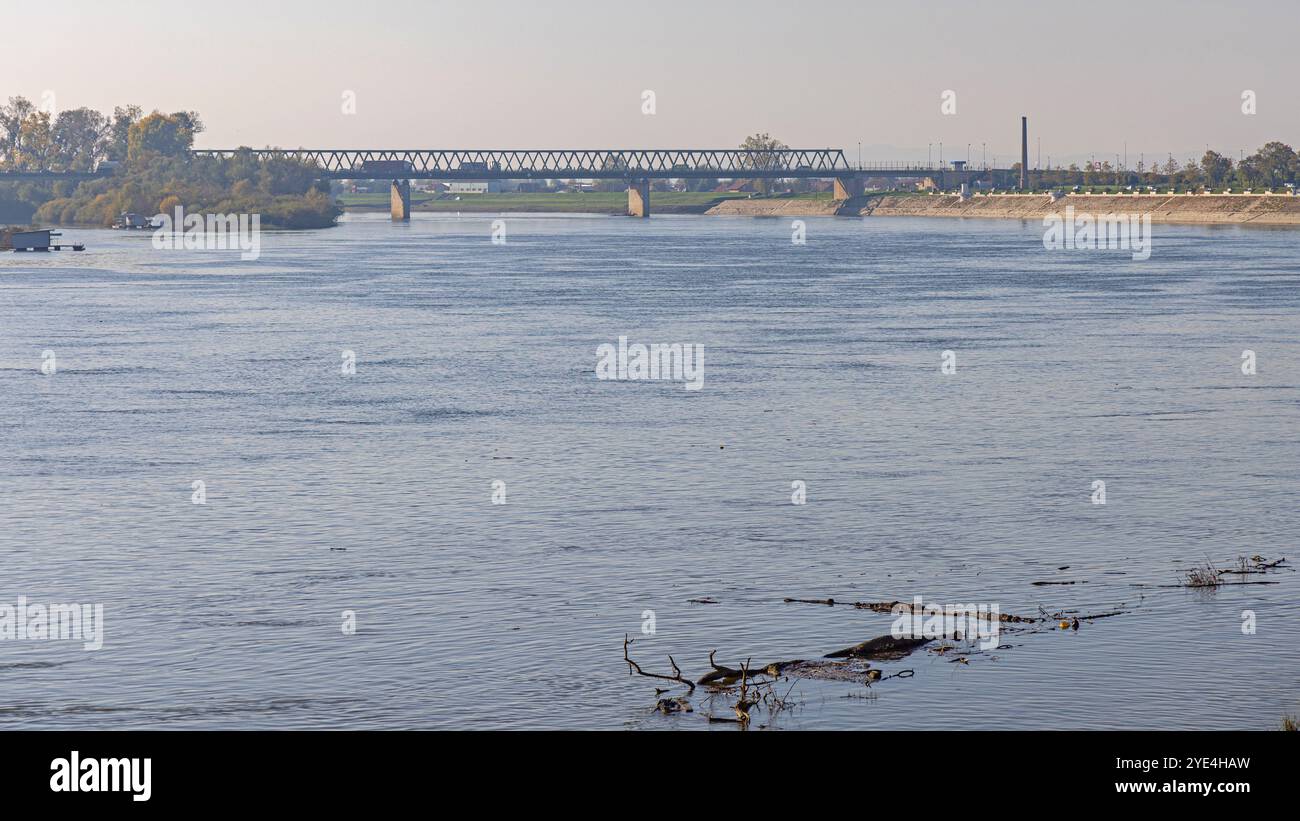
(475, 187)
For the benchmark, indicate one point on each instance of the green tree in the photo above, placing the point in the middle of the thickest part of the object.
(171, 135)
(1216, 169)
(286, 176)
(80, 139)
(763, 148)
(35, 143)
(1272, 166)
(12, 116)
(119, 130)
(1190, 175)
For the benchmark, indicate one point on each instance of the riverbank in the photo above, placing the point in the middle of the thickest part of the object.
(1197, 209)
(1234, 209)
(802, 206)
(1258, 209)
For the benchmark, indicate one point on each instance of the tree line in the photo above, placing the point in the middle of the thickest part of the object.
(31, 139)
(153, 170)
(1275, 166)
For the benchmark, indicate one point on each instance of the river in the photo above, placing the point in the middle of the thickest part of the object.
(349, 569)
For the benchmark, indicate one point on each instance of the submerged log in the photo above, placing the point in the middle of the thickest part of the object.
(885, 648)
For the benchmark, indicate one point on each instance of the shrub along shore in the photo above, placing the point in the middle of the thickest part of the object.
(152, 171)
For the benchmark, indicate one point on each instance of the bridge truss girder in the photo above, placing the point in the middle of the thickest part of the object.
(563, 164)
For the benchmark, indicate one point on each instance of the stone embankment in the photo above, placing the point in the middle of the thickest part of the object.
(1228, 209)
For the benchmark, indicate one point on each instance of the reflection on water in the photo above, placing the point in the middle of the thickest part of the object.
(371, 493)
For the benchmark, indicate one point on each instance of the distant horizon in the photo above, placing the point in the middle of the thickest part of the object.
(508, 75)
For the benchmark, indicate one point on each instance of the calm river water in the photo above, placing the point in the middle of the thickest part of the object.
(372, 492)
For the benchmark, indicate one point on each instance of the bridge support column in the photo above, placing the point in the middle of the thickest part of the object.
(638, 198)
(849, 187)
(399, 200)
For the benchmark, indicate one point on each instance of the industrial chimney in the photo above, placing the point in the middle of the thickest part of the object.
(1024, 153)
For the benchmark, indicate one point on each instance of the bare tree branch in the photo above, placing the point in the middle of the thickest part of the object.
(632, 666)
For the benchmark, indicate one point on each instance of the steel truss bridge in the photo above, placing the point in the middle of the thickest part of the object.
(342, 164)
(636, 167)
(616, 164)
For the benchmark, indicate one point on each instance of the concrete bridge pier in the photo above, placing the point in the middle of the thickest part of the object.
(399, 201)
(847, 188)
(638, 198)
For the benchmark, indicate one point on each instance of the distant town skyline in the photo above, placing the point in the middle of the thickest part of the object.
(1149, 79)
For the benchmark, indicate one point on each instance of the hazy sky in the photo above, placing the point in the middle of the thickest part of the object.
(1163, 75)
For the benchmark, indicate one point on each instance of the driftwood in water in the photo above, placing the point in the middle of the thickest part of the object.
(906, 607)
(633, 666)
(1255, 564)
(1210, 576)
(885, 648)
(728, 675)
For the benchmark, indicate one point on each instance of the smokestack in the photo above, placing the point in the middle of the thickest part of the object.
(1024, 153)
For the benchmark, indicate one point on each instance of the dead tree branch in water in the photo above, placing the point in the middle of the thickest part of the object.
(751, 695)
(726, 675)
(632, 666)
(1254, 564)
(744, 703)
